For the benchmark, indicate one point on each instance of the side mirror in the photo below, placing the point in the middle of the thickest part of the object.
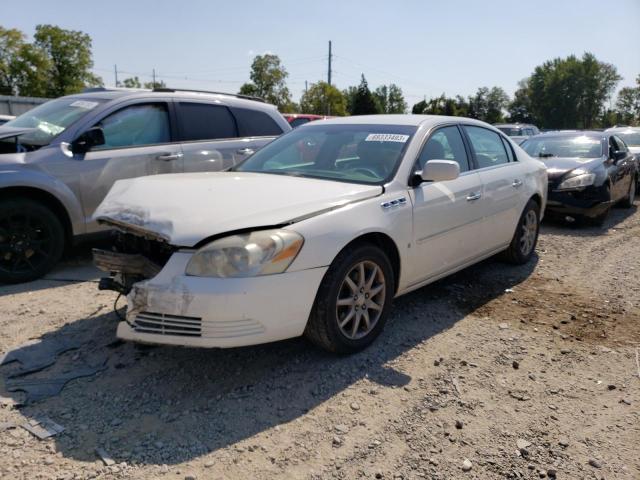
(619, 155)
(437, 171)
(90, 138)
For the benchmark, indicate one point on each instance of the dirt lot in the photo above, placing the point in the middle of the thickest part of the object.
(497, 372)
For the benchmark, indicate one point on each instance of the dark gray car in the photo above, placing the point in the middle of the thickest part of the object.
(59, 160)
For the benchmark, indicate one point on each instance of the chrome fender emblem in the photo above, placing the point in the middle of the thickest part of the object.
(398, 202)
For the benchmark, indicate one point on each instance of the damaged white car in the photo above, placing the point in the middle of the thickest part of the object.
(316, 233)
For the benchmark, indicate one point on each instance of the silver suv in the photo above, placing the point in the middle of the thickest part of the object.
(59, 160)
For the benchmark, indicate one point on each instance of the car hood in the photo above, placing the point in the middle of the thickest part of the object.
(559, 166)
(635, 149)
(8, 132)
(184, 209)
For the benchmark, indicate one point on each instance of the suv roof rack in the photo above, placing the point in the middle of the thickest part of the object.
(237, 95)
(168, 89)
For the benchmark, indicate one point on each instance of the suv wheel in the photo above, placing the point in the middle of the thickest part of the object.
(31, 240)
(353, 301)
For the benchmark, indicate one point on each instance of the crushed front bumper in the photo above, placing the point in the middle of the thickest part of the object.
(590, 202)
(175, 309)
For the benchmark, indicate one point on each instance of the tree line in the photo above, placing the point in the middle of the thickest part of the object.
(571, 92)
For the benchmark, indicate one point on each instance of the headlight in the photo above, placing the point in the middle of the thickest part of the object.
(577, 182)
(262, 252)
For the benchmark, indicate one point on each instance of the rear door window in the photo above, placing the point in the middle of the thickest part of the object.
(487, 146)
(203, 121)
(253, 123)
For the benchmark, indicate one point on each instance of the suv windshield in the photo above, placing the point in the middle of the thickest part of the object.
(49, 120)
(367, 154)
(511, 131)
(632, 139)
(571, 147)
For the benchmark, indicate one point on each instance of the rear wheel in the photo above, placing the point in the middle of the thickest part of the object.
(525, 238)
(627, 202)
(353, 301)
(31, 240)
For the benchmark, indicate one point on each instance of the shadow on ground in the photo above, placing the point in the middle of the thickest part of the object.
(559, 226)
(166, 405)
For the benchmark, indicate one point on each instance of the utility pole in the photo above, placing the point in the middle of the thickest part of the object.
(154, 78)
(115, 71)
(329, 71)
(306, 90)
(329, 79)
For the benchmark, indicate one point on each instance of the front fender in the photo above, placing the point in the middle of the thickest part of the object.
(35, 180)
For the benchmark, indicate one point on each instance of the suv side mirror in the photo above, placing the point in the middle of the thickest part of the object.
(90, 138)
(619, 155)
(437, 171)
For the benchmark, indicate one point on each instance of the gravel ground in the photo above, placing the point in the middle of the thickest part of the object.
(495, 372)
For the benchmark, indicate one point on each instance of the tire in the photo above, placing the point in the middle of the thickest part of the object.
(378, 288)
(525, 238)
(31, 240)
(627, 202)
(599, 219)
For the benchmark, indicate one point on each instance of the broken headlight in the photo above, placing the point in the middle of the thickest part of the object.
(263, 252)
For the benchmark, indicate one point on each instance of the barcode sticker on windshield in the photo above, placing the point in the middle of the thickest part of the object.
(84, 104)
(386, 137)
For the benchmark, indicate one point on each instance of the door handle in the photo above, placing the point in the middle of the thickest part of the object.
(168, 157)
(474, 196)
(245, 151)
(517, 183)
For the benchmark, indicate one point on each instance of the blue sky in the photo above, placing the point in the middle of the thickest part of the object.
(426, 47)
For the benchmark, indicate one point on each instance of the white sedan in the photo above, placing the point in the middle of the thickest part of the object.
(316, 233)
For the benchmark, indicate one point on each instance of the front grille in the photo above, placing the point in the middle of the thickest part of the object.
(163, 324)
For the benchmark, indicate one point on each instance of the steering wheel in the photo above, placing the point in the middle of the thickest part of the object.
(366, 171)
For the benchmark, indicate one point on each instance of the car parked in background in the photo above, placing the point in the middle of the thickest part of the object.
(297, 119)
(59, 160)
(630, 136)
(6, 118)
(588, 172)
(289, 243)
(518, 132)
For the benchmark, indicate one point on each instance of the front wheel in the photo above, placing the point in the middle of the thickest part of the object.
(353, 301)
(525, 238)
(31, 240)
(627, 202)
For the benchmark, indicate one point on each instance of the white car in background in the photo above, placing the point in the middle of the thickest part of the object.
(630, 136)
(316, 233)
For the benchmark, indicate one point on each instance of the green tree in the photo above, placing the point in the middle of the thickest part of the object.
(157, 84)
(70, 61)
(520, 109)
(22, 65)
(571, 92)
(131, 82)
(268, 81)
(628, 105)
(323, 99)
(364, 103)
(350, 94)
(390, 99)
(442, 105)
(487, 104)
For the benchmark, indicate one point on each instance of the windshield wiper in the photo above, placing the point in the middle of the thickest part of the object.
(546, 155)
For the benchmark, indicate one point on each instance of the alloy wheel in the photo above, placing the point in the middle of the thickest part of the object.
(26, 243)
(361, 299)
(529, 232)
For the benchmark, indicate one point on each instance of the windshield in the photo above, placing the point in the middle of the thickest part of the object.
(632, 139)
(367, 154)
(511, 131)
(49, 119)
(571, 147)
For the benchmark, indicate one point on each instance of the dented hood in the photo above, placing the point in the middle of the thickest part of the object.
(186, 208)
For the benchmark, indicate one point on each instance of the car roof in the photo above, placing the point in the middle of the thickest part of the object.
(513, 125)
(623, 130)
(229, 99)
(396, 119)
(573, 133)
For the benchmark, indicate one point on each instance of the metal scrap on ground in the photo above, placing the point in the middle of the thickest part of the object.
(43, 427)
